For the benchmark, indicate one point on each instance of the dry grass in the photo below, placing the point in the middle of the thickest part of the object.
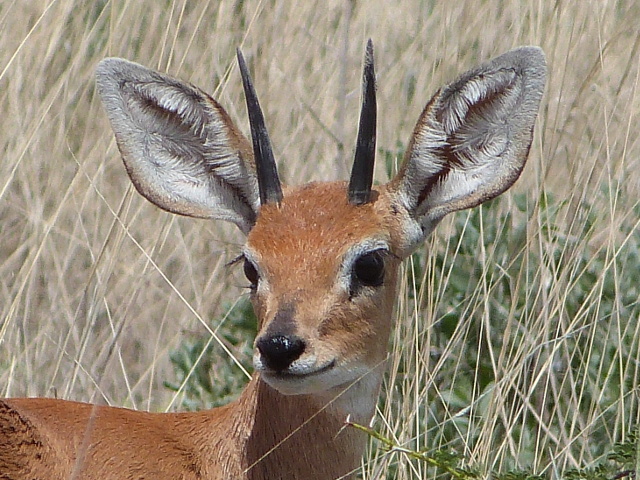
(97, 286)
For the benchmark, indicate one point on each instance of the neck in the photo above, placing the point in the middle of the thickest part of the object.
(303, 436)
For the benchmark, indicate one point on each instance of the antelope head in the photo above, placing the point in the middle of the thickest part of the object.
(322, 258)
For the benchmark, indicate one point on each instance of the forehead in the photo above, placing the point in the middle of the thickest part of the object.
(316, 219)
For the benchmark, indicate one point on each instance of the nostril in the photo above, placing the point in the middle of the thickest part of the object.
(280, 351)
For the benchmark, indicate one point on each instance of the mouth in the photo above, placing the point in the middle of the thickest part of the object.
(299, 372)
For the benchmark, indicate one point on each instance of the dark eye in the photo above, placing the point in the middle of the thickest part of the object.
(368, 270)
(251, 273)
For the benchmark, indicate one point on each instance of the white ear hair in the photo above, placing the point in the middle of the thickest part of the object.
(472, 139)
(179, 146)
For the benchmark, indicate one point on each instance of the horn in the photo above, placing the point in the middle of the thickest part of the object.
(266, 170)
(362, 171)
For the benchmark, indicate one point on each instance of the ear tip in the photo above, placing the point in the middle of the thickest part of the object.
(111, 70)
(531, 58)
(528, 62)
(106, 66)
(530, 50)
(110, 64)
(107, 73)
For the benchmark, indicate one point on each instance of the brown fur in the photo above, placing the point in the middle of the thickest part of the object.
(56, 439)
(303, 266)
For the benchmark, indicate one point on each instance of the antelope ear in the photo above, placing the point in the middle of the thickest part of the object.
(472, 139)
(180, 148)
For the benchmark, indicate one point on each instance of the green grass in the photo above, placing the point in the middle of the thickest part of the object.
(516, 345)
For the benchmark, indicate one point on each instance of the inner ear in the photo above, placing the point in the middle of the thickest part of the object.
(472, 139)
(180, 148)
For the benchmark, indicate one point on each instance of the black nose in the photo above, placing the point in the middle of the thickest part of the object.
(280, 351)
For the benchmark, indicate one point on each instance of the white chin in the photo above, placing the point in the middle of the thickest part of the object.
(315, 383)
(297, 385)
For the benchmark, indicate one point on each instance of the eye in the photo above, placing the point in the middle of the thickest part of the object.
(368, 270)
(251, 273)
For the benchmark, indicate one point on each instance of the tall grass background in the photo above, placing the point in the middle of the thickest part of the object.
(517, 340)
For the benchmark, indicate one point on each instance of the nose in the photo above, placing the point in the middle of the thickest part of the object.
(280, 351)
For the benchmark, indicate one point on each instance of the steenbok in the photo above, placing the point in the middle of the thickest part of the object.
(322, 260)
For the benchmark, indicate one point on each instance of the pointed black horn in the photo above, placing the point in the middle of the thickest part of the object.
(362, 171)
(266, 170)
